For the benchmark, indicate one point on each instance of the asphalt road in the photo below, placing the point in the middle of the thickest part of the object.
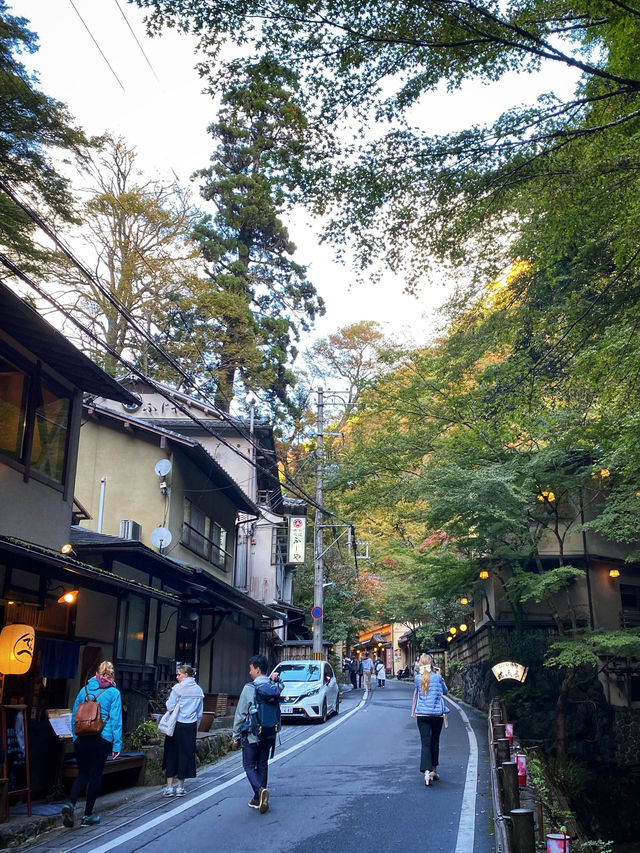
(352, 784)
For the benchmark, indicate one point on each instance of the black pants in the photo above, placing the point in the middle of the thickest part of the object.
(255, 760)
(354, 678)
(91, 753)
(429, 728)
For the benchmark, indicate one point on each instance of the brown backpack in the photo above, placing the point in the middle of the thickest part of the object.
(88, 720)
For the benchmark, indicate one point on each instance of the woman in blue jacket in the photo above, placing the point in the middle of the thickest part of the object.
(429, 710)
(92, 751)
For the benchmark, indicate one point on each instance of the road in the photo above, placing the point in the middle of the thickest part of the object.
(352, 784)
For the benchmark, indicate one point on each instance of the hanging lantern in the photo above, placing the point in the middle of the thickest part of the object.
(484, 574)
(464, 627)
(16, 649)
(453, 630)
(449, 639)
(464, 600)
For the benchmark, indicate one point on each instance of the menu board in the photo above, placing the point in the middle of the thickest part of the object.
(15, 739)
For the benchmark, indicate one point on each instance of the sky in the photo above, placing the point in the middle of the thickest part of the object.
(151, 95)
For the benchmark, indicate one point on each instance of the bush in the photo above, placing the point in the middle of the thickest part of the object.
(145, 733)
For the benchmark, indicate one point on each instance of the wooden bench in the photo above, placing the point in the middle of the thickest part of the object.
(125, 761)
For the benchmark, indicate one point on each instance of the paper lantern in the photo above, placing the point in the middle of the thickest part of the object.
(16, 649)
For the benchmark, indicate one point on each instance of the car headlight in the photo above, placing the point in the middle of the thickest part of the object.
(313, 691)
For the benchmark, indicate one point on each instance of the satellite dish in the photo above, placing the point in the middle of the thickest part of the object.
(163, 466)
(160, 536)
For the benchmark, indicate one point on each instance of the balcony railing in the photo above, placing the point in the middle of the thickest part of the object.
(200, 544)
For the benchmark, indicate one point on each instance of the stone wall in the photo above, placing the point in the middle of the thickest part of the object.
(626, 733)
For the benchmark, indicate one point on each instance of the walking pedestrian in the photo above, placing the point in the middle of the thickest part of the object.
(92, 750)
(255, 750)
(367, 670)
(429, 709)
(179, 758)
(381, 673)
(353, 671)
(360, 672)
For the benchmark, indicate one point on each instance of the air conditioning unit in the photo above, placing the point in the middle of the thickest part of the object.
(130, 529)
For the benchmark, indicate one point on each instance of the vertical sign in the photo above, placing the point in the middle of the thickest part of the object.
(297, 538)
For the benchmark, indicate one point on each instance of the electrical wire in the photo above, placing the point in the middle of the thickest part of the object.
(293, 486)
(84, 23)
(148, 61)
(133, 323)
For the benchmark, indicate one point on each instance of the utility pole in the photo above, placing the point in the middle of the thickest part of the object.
(318, 568)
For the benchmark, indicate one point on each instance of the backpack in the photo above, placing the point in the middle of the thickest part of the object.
(88, 719)
(263, 719)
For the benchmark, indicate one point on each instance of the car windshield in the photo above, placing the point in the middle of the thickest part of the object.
(299, 672)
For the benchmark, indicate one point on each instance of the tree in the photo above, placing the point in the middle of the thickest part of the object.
(407, 197)
(139, 232)
(258, 296)
(32, 125)
(354, 354)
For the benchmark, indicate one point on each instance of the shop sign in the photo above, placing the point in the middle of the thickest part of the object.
(16, 649)
(509, 670)
(297, 538)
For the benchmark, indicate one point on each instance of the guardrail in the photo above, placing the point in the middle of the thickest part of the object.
(515, 826)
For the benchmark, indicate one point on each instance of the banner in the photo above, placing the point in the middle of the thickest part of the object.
(297, 538)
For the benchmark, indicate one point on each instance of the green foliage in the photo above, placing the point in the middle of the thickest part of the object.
(33, 124)
(144, 733)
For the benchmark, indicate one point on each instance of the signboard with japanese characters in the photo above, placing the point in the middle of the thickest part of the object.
(297, 538)
(509, 670)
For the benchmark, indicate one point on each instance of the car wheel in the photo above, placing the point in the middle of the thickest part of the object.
(324, 711)
(337, 708)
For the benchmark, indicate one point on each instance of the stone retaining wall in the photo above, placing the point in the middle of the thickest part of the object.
(208, 749)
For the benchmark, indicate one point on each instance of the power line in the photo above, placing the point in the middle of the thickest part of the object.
(97, 45)
(37, 219)
(293, 486)
(153, 71)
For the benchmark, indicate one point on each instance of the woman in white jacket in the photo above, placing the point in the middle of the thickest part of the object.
(179, 759)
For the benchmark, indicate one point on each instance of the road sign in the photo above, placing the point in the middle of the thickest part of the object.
(317, 612)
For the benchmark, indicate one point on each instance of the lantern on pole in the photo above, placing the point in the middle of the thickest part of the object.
(16, 649)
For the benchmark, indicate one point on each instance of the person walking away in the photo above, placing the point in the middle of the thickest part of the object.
(367, 670)
(353, 671)
(179, 758)
(429, 709)
(381, 673)
(92, 750)
(257, 736)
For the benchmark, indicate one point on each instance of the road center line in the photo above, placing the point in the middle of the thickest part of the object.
(200, 798)
(467, 824)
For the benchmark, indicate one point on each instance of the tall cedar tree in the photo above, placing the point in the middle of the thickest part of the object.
(31, 123)
(259, 296)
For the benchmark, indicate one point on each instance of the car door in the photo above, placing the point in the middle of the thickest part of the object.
(332, 686)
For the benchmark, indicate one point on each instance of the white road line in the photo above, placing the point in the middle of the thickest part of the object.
(466, 827)
(188, 804)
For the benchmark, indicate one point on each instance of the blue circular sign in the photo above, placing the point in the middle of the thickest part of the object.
(317, 612)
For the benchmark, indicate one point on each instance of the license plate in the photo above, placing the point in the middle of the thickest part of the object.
(286, 709)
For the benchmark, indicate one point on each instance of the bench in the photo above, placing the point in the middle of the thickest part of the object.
(125, 761)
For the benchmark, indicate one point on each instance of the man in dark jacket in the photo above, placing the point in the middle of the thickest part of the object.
(255, 752)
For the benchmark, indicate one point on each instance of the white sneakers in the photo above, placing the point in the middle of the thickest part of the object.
(430, 776)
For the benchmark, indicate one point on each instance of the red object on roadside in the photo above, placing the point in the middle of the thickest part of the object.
(508, 732)
(521, 761)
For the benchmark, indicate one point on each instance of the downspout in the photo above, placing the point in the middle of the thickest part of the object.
(103, 486)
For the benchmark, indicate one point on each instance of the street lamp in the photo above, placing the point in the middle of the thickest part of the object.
(464, 600)
(484, 574)
(614, 573)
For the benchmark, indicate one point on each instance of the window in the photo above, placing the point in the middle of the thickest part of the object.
(630, 600)
(13, 408)
(278, 546)
(205, 537)
(34, 419)
(48, 452)
(132, 627)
